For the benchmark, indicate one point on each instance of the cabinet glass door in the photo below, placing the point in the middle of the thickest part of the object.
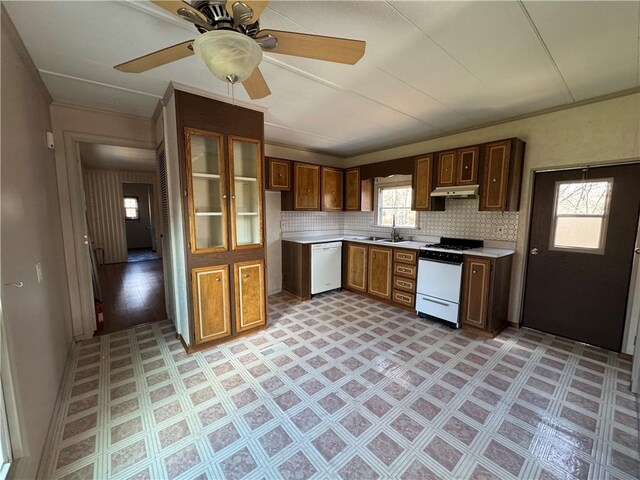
(245, 177)
(207, 195)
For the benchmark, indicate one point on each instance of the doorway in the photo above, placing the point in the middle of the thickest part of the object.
(137, 201)
(581, 249)
(119, 185)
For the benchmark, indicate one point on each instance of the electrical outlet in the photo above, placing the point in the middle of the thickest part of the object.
(39, 272)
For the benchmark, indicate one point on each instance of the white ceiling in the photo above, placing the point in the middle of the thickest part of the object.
(429, 67)
(114, 157)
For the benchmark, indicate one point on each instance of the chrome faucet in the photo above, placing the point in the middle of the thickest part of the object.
(395, 236)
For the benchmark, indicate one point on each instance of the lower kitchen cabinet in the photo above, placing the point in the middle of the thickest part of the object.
(211, 303)
(404, 277)
(356, 256)
(296, 269)
(249, 294)
(379, 277)
(485, 294)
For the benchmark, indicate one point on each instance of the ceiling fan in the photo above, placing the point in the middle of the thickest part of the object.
(231, 43)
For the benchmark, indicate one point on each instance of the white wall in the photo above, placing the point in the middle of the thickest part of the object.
(37, 316)
(602, 132)
(274, 243)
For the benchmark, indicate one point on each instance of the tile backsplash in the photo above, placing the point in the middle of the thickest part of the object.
(460, 219)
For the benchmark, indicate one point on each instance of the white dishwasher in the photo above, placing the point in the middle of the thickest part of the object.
(326, 266)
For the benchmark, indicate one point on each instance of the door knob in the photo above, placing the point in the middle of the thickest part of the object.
(534, 251)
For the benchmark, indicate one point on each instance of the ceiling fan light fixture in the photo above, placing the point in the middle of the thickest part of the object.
(229, 55)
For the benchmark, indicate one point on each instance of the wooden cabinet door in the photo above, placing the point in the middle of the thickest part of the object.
(211, 305)
(249, 294)
(279, 174)
(380, 260)
(446, 169)
(467, 166)
(475, 291)
(357, 267)
(422, 181)
(352, 190)
(495, 176)
(332, 181)
(306, 186)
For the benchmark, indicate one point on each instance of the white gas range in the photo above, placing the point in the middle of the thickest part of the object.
(440, 279)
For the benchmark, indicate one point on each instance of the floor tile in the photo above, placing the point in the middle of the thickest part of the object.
(340, 387)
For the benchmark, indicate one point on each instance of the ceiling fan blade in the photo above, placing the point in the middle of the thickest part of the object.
(158, 58)
(331, 49)
(174, 6)
(256, 5)
(256, 86)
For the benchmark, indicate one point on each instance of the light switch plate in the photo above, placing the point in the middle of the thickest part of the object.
(39, 272)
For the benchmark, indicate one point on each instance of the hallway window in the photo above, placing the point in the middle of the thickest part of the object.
(131, 208)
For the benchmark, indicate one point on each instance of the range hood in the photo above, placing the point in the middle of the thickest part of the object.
(462, 191)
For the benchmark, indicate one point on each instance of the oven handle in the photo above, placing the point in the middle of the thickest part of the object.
(445, 304)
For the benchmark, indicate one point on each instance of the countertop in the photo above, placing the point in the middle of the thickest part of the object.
(479, 252)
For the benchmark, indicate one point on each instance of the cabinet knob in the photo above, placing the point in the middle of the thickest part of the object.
(494, 180)
(279, 174)
(475, 271)
(246, 275)
(466, 167)
(224, 196)
(233, 196)
(217, 279)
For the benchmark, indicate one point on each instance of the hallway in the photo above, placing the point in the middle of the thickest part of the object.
(133, 294)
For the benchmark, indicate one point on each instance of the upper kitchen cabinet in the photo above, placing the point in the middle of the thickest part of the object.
(245, 181)
(214, 184)
(206, 191)
(278, 174)
(458, 167)
(423, 184)
(305, 192)
(332, 186)
(501, 176)
(358, 193)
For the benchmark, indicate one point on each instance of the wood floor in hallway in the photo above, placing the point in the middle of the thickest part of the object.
(133, 294)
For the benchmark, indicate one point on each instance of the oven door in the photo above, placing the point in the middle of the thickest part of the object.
(440, 280)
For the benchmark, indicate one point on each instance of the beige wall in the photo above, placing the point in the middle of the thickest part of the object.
(71, 125)
(103, 195)
(600, 132)
(37, 316)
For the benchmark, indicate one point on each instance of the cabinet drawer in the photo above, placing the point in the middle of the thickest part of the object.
(406, 284)
(405, 256)
(405, 270)
(403, 298)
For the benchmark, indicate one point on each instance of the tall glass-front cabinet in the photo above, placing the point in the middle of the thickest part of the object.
(220, 156)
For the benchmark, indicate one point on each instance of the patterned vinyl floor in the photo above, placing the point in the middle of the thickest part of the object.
(344, 387)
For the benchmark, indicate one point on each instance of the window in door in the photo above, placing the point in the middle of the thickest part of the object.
(394, 203)
(131, 208)
(580, 215)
